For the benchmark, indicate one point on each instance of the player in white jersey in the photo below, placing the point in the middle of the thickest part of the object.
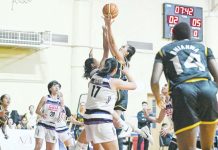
(62, 129)
(49, 109)
(102, 96)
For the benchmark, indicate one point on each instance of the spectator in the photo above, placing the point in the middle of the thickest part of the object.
(15, 116)
(4, 113)
(165, 135)
(79, 117)
(31, 117)
(142, 122)
(23, 124)
(11, 124)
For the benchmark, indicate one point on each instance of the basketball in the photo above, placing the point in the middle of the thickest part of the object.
(110, 9)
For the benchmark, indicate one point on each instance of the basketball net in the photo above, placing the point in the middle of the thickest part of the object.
(19, 2)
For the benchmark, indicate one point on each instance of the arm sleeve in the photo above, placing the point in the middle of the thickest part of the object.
(209, 54)
(159, 56)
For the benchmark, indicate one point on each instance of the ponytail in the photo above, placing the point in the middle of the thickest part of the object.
(88, 67)
(131, 51)
(109, 66)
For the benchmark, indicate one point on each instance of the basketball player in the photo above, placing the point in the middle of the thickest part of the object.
(49, 109)
(100, 104)
(187, 65)
(4, 114)
(123, 56)
(62, 129)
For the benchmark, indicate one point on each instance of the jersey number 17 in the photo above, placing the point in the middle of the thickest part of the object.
(95, 92)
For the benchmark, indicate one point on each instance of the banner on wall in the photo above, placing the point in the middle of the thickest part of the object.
(19, 140)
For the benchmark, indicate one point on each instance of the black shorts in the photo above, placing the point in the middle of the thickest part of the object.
(122, 100)
(173, 144)
(194, 103)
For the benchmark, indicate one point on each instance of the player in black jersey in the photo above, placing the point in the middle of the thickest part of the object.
(123, 56)
(187, 65)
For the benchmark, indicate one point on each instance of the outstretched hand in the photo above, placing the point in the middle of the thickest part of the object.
(91, 53)
(108, 20)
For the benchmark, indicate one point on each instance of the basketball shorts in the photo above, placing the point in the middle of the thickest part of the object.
(122, 100)
(100, 133)
(49, 135)
(64, 136)
(194, 103)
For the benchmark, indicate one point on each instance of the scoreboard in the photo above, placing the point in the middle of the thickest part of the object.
(174, 14)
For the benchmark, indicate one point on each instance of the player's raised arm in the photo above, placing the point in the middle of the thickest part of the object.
(112, 44)
(105, 46)
(125, 85)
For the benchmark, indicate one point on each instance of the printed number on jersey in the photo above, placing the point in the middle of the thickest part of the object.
(193, 61)
(95, 90)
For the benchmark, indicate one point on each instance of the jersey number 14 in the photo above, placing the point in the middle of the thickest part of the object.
(193, 61)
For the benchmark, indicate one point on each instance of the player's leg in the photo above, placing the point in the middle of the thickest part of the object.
(50, 146)
(113, 145)
(207, 134)
(39, 136)
(81, 142)
(66, 138)
(185, 115)
(186, 140)
(38, 143)
(97, 146)
(208, 112)
(51, 138)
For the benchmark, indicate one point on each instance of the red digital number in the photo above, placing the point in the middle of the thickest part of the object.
(177, 9)
(195, 33)
(172, 19)
(189, 11)
(195, 22)
(182, 10)
(171, 31)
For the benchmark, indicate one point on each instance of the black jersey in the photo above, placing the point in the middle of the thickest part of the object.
(184, 60)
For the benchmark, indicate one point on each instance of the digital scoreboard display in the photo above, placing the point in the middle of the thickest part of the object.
(174, 14)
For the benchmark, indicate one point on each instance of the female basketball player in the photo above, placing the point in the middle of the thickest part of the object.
(49, 109)
(102, 96)
(187, 66)
(4, 114)
(62, 129)
(123, 56)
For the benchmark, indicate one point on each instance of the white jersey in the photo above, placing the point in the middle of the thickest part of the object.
(100, 101)
(52, 110)
(100, 95)
(61, 125)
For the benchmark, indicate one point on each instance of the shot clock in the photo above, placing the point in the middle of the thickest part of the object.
(174, 14)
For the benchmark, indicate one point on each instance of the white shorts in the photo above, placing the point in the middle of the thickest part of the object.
(64, 136)
(100, 133)
(43, 133)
